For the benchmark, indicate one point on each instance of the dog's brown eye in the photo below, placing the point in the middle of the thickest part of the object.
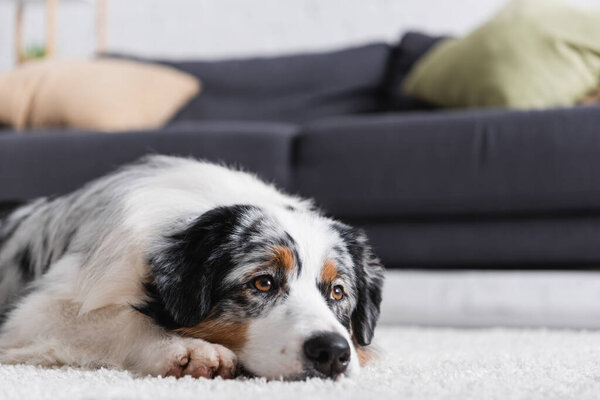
(264, 283)
(337, 293)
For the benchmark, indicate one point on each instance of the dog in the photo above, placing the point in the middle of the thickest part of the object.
(174, 267)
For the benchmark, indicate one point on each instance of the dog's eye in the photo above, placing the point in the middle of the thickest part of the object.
(264, 283)
(337, 292)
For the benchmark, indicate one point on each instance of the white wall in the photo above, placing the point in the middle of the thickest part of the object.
(224, 28)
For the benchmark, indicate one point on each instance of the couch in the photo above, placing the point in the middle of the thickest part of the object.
(479, 188)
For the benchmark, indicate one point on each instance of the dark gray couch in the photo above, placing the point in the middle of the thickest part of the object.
(433, 188)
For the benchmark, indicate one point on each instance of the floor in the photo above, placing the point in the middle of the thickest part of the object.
(414, 363)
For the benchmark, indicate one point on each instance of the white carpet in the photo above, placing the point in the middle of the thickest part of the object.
(416, 363)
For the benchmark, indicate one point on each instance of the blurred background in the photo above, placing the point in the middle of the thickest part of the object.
(226, 28)
(472, 163)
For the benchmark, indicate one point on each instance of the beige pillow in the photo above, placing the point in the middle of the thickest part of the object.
(101, 94)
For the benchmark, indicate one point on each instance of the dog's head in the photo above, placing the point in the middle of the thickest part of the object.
(292, 293)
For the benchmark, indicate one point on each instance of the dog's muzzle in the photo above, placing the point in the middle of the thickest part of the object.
(328, 352)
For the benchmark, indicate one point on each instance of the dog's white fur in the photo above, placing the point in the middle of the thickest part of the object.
(79, 312)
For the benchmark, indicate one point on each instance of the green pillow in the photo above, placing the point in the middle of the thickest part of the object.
(532, 54)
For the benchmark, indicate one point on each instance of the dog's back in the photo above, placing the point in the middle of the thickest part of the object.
(24, 252)
(12, 278)
(35, 235)
(7, 227)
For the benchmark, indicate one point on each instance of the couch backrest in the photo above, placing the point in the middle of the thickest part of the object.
(302, 87)
(289, 88)
(403, 58)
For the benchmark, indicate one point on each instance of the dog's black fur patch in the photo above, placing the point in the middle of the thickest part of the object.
(25, 265)
(188, 272)
(369, 281)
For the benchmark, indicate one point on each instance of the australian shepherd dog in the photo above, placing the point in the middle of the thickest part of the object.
(176, 267)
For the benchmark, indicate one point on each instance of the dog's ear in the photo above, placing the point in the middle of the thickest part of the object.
(369, 283)
(189, 265)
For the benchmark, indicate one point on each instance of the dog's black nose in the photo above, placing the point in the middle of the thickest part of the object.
(329, 352)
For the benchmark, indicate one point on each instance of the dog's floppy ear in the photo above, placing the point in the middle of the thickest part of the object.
(369, 283)
(190, 264)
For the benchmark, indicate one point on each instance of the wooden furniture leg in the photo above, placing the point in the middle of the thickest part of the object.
(101, 17)
(51, 6)
(19, 56)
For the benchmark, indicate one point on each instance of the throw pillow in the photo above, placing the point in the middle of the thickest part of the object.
(101, 94)
(532, 54)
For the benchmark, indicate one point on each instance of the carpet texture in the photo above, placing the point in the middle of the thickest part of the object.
(415, 363)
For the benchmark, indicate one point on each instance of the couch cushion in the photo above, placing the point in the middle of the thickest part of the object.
(453, 163)
(51, 163)
(289, 88)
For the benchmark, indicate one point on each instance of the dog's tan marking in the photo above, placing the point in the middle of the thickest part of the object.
(364, 355)
(329, 272)
(229, 334)
(284, 258)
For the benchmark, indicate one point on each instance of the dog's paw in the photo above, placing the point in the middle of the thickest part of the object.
(200, 359)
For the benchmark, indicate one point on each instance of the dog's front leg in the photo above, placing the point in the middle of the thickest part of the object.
(177, 356)
(47, 328)
(114, 337)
